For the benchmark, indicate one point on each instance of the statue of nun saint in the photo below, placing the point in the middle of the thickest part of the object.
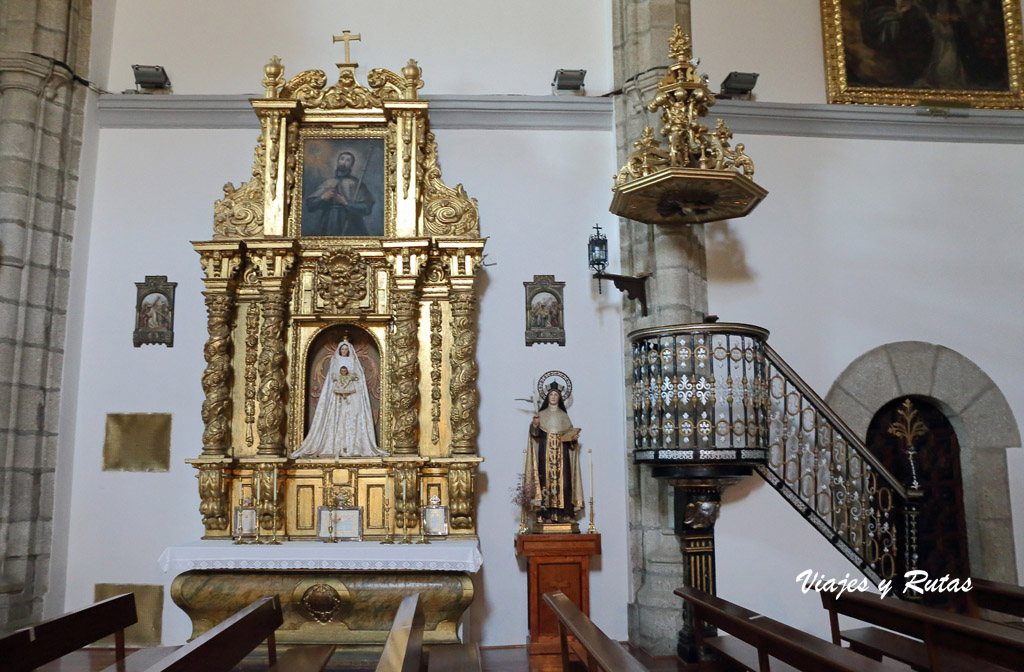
(342, 423)
(553, 462)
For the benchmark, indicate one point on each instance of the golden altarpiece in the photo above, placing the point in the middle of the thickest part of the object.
(385, 261)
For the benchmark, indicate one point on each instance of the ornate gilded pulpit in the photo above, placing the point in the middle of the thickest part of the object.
(345, 241)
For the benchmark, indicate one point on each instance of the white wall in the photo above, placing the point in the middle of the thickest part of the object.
(463, 46)
(858, 244)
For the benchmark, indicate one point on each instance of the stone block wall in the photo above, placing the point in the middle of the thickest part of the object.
(43, 65)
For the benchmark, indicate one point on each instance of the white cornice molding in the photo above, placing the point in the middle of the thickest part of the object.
(581, 113)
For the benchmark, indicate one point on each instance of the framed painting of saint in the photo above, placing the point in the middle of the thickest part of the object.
(545, 320)
(154, 311)
(941, 53)
(342, 187)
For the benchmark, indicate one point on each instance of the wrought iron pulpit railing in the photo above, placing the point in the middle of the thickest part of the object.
(827, 474)
(713, 401)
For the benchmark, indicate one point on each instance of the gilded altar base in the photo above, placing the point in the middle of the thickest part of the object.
(354, 609)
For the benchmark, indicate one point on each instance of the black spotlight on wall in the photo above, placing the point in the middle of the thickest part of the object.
(738, 85)
(151, 79)
(568, 83)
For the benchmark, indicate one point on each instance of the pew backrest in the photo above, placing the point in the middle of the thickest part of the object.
(403, 649)
(34, 646)
(939, 630)
(603, 653)
(1004, 598)
(773, 639)
(222, 647)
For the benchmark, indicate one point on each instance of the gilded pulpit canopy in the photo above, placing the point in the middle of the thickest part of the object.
(340, 294)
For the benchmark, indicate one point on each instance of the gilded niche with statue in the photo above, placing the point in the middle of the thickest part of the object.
(339, 287)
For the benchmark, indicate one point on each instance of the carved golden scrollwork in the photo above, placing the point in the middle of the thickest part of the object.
(460, 495)
(270, 496)
(307, 87)
(446, 211)
(213, 494)
(240, 213)
(462, 387)
(407, 504)
(341, 280)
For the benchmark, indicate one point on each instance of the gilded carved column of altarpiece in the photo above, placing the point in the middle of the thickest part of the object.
(285, 283)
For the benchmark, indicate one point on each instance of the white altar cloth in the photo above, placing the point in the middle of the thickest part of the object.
(437, 556)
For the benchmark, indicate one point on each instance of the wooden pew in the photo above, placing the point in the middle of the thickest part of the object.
(763, 645)
(602, 653)
(927, 639)
(403, 649)
(221, 648)
(37, 645)
(1002, 598)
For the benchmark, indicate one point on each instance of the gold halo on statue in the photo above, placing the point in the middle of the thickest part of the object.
(565, 389)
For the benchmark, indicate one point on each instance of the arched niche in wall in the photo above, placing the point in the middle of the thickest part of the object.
(979, 413)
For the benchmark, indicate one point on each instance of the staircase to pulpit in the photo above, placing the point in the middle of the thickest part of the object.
(713, 403)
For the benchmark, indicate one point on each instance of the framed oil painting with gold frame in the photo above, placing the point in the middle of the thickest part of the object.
(342, 184)
(936, 53)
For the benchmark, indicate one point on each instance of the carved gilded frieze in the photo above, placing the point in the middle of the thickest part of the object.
(341, 280)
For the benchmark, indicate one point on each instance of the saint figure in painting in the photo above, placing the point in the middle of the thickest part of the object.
(341, 205)
(342, 424)
(553, 462)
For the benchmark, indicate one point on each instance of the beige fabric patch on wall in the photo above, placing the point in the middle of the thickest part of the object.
(137, 442)
(149, 605)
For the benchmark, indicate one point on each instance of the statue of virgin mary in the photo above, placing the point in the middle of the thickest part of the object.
(342, 423)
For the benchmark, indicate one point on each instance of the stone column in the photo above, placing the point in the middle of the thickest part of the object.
(44, 58)
(676, 294)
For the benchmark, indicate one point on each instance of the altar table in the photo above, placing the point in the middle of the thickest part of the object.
(344, 593)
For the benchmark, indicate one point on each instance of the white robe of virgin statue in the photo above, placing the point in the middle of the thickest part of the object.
(342, 423)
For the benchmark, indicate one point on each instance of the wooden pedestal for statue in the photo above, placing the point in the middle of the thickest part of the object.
(558, 562)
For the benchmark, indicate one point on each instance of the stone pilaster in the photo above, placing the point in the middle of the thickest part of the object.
(676, 294)
(44, 48)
